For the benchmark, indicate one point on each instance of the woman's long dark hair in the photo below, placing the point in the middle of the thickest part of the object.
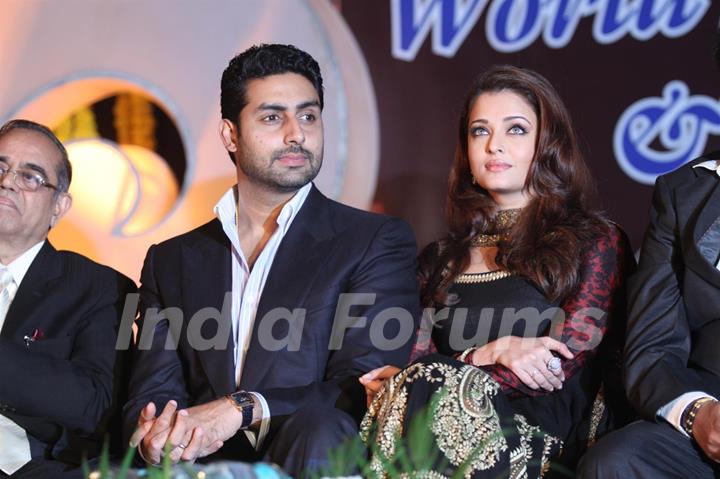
(545, 244)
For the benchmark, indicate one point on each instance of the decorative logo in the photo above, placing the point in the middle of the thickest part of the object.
(657, 135)
(512, 25)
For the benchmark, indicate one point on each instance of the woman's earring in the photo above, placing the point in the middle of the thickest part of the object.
(473, 179)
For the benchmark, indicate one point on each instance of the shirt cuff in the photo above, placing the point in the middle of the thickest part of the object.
(672, 411)
(257, 438)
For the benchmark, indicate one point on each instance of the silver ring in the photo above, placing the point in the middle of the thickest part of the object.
(554, 365)
(535, 371)
(181, 446)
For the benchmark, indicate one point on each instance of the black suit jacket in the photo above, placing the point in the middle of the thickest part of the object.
(61, 388)
(329, 249)
(673, 340)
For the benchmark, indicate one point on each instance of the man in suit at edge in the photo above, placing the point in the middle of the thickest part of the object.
(59, 314)
(277, 243)
(672, 351)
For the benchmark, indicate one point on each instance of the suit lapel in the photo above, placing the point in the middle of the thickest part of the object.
(44, 271)
(207, 276)
(702, 256)
(297, 262)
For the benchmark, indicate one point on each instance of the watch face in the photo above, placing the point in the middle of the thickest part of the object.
(245, 402)
(242, 399)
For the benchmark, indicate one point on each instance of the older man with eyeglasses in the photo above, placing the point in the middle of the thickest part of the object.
(59, 314)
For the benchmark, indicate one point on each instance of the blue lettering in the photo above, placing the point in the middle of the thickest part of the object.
(512, 25)
(678, 122)
(564, 22)
(516, 24)
(449, 20)
(612, 22)
(646, 18)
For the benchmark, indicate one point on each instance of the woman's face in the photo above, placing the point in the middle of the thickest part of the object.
(502, 129)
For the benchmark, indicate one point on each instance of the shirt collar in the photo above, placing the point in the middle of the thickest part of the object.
(713, 165)
(20, 265)
(226, 209)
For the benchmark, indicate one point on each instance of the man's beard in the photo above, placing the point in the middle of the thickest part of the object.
(289, 180)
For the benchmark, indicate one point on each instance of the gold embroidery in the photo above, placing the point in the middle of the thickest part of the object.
(503, 221)
(598, 410)
(476, 392)
(483, 240)
(527, 431)
(518, 466)
(470, 278)
(525, 451)
(387, 410)
(549, 443)
(422, 475)
(465, 426)
(465, 423)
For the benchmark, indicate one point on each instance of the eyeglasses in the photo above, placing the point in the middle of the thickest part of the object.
(26, 180)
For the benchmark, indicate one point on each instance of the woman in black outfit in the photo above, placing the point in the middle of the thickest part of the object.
(528, 293)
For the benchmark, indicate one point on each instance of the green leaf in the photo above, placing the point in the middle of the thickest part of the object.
(126, 463)
(85, 467)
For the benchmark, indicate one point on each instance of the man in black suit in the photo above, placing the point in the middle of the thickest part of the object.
(672, 352)
(59, 314)
(306, 294)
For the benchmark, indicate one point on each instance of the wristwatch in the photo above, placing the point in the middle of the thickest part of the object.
(687, 419)
(243, 402)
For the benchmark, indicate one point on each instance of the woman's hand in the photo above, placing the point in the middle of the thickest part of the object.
(374, 380)
(527, 358)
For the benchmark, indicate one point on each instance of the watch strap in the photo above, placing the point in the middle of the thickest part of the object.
(244, 403)
(689, 415)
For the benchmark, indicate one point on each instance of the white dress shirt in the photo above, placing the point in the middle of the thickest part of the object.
(673, 410)
(18, 268)
(248, 284)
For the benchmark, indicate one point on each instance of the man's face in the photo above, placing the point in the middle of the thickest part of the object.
(26, 216)
(279, 144)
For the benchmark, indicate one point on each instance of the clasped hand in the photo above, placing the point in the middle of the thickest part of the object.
(188, 433)
(527, 358)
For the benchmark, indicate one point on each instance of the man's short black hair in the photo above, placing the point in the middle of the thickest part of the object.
(64, 168)
(260, 61)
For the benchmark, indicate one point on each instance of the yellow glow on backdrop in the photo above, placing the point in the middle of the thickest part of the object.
(125, 189)
(158, 189)
(104, 184)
